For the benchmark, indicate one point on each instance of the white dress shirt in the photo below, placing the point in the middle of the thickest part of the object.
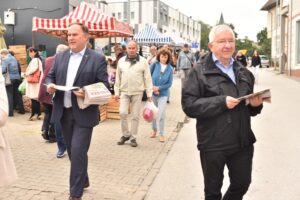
(74, 62)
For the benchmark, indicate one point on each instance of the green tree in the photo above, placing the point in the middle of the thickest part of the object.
(264, 42)
(232, 27)
(242, 44)
(205, 29)
(246, 44)
(262, 36)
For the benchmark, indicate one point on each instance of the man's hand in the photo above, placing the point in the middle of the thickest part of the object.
(255, 101)
(231, 102)
(117, 98)
(51, 88)
(79, 93)
(149, 99)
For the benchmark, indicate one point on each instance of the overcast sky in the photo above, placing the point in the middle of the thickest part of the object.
(245, 15)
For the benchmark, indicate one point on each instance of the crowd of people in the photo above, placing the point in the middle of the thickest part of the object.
(223, 122)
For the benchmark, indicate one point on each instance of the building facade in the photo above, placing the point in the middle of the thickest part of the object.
(20, 33)
(158, 14)
(284, 30)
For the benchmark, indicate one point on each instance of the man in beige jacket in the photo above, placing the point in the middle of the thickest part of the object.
(132, 78)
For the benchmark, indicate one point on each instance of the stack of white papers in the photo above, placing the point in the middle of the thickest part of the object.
(95, 94)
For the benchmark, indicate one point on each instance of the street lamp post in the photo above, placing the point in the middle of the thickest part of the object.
(128, 11)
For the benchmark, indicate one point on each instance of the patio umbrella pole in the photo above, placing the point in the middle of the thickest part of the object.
(33, 38)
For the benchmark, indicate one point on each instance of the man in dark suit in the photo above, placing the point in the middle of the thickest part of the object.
(80, 66)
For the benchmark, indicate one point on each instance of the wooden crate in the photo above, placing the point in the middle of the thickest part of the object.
(20, 55)
(111, 115)
(103, 113)
(112, 108)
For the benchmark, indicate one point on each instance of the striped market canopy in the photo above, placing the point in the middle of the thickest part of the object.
(150, 35)
(176, 40)
(99, 24)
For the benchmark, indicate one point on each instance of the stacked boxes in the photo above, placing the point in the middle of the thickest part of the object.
(113, 109)
(20, 54)
(103, 112)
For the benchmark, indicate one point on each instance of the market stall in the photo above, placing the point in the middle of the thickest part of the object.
(150, 35)
(176, 40)
(100, 25)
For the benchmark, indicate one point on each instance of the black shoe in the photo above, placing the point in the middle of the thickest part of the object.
(45, 136)
(52, 139)
(133, 143)
(21, 112)
(123, 139)
(31, 117)
(87, 184)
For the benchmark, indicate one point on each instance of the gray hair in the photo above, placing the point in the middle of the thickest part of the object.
(133, 41)
(61, 48)
(217, 28)
(4, 51)
(153, 47)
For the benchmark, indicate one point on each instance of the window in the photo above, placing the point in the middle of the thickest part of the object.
(298, 42)
(132, 15)
(119, 15)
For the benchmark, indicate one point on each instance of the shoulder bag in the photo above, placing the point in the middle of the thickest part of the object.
(35, 76)
(7, 77)
(192, 64)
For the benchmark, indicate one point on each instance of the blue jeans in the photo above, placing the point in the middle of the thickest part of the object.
(161, 103)
(59, 138)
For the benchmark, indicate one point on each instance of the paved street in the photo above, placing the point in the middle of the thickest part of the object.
(169, 171)
(116, 172)
(276, 159)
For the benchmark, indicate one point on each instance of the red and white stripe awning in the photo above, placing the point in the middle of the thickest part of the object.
(99, 24)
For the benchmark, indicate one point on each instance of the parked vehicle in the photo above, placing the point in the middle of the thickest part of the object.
(264, 61)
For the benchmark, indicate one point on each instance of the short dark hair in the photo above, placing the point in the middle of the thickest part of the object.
(164, 51)
(83, 27)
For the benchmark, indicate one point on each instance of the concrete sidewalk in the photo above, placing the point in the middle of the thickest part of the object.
(116, 172)
(276, 171)
(180, 176)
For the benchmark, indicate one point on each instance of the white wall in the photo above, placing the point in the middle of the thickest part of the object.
(147, 18)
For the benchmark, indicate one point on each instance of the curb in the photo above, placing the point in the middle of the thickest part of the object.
(143, 189)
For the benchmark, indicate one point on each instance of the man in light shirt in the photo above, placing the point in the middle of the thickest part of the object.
(132, 78)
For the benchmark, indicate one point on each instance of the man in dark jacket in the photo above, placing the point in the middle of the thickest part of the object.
(223, 121)
(80, 66)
